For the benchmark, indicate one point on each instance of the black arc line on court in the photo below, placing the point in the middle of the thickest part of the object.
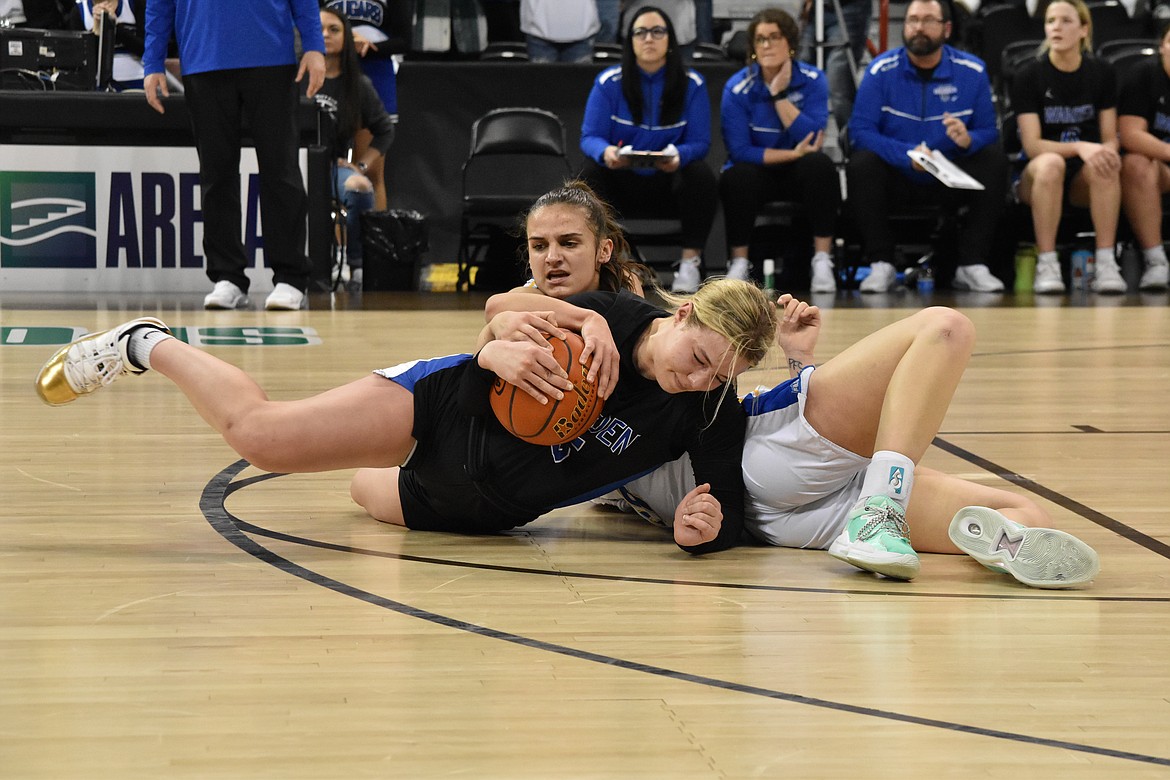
(211, 503)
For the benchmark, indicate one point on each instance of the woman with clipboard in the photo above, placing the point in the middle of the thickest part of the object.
(645, 136)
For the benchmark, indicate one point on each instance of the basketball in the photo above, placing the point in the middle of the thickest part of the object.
(556, 422)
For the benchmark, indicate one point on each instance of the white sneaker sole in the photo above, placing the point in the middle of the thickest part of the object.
(221, 305)
(1039, 557)
(967, 287)
(866, 556)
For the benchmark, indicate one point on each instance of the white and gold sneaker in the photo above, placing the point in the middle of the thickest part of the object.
(90, 363)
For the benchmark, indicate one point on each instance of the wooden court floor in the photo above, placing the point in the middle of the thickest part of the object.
(168, 611)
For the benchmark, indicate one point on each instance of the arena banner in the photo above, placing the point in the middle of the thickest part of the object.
(113, 218)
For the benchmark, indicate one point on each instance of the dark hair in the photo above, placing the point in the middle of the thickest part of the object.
(616, 274)
(349, 112)
(674, 94)
(782, 19)
(947, 12)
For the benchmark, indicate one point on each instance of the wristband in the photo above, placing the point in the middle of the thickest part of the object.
(781, 95)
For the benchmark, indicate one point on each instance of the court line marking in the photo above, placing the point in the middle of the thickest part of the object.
(211, 503)
(1076, 507)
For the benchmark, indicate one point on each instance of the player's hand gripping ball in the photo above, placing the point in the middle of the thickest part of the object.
(556, 422)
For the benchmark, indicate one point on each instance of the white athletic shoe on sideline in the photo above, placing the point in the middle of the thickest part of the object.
(1155, 277)
(882, 277)
(687, 277)
(1047, 280)
(225, 295)
(1108, 279)
(1040, 557)
(285, 297)
(739, 268)
(823, 278)
(90, 363)
(976, 278)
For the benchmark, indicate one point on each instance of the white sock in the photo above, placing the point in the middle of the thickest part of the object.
(1155, 255)
(1047, 257)
(822, 256)
(1105, 256)
(737, 257)
(142, 342)
(889, 474)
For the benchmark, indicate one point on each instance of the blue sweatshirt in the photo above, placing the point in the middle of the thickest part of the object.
(226, 34)
(608, 121)
(896, 110)
(748, 113)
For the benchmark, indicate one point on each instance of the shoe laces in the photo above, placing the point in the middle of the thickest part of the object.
(97, 365)
(884, 518)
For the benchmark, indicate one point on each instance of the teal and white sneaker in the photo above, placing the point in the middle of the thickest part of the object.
(1040, 557)
(876, 538)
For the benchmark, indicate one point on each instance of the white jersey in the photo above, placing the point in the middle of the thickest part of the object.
(800, 486)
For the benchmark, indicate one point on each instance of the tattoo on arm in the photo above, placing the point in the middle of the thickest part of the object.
(794, 366)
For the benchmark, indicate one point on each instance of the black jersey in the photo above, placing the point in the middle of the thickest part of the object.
(469, 474)
(1146, 93)
(1068, 104)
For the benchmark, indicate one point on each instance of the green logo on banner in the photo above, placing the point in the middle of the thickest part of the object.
(243, 336)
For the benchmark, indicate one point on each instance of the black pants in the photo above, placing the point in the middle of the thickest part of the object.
(876, 188)
(267, 99)
(690, 194)
(811, 180)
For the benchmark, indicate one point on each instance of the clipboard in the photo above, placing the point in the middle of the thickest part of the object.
(643, 159)
(944, 170)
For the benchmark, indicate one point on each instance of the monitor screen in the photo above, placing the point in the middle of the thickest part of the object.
(47, 59)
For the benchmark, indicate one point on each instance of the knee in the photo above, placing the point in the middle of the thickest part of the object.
(1047, 170)
(358, 183)
(376, 491)
(255, 443)
(1137, 169)
(948, 326)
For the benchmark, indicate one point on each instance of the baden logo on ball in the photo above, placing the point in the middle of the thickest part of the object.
(556, 422)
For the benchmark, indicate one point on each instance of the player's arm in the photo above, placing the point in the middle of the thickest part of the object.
(600, 353)
(797, 332)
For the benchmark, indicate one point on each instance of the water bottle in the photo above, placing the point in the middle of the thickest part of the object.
(1082, 264)
(770, 277)
(1083, 261)
(1025, 268)
(925, 278)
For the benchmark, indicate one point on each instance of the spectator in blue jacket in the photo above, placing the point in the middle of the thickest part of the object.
(928, 96)
(239, 62)
(652, 103)
(773, 116)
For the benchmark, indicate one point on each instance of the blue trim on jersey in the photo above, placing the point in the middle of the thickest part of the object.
(410, 374)
(781, 396)
(601, 491)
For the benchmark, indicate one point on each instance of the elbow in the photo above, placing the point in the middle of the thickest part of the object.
(494, 306)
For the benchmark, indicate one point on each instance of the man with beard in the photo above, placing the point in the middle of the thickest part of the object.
(930, 96)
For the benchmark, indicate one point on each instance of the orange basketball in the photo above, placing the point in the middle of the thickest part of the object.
(556, 422)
